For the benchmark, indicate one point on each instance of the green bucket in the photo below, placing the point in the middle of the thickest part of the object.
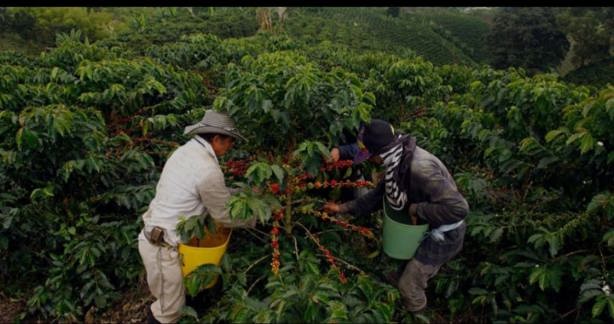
(401, 239)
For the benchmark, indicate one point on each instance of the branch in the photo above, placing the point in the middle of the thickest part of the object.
(255, 282)
(327, 254)
(570, 254)
(306, 229)
(349, 265)
(567, 314)
(255, 263)
(249, 230)
(330, 231)
(295, 248)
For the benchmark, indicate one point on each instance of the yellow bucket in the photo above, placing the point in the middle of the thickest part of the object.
(209, 250)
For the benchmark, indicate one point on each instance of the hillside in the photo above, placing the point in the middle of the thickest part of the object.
(466, 31)
(12, 42)
(372, 29)
(442, 37)
(598, 74)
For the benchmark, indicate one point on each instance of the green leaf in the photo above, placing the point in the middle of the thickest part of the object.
(586, 143)
(257, 207)
(26, 138)
(203, 276)
(477, 291)
(279, 172)
(611, 306)
(546, 277)
(311, 153)
(590, 284)
(554, 243)
(54, 72)
(588, 295)
(603, 201)
(190, 312)
(544, 163)
(599, 306)
(574, 137)
(322, 149)
(609, 238)
(538, 275)
(42, 193)
(259, 172)
(238, 208)
(496, 235)
(555, 273)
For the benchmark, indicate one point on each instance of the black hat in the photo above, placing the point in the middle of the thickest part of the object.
(375, 136)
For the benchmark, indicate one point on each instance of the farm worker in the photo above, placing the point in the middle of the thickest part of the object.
(418, 183)
(191, 183)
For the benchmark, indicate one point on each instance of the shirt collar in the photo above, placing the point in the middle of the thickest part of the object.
(207, 147)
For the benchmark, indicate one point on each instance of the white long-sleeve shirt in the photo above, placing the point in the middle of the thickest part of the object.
(191, 183)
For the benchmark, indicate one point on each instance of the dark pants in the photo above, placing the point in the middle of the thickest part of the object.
(413, 283)
(206, 298)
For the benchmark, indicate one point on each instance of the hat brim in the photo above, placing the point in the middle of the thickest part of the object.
(202, 129)
(361, 156)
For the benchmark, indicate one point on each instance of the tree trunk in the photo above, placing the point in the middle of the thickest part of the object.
(281, 15)
(264, 19)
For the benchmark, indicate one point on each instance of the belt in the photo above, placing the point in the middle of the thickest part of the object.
(162, 243)
(437, 233)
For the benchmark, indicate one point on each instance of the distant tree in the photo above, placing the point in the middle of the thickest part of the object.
(393, 11)
(592, 31)
(4, 17)
(528, 38)
(23, 23)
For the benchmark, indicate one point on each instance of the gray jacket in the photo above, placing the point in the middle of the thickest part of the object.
(435, 197)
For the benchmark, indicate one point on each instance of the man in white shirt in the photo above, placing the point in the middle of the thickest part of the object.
(191, 183)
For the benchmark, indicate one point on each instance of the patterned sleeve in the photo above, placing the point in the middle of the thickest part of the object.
(366, 204)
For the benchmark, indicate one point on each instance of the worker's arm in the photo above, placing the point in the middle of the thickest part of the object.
(446, 205)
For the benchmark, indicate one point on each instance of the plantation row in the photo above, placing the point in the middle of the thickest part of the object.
(363, 29)
(86, 129)
(464, 31)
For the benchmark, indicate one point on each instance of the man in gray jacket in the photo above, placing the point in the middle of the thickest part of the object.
(419, 184)
(191, 183)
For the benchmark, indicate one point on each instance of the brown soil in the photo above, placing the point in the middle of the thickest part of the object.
(10, 308)
(131, 308)
(211, 240)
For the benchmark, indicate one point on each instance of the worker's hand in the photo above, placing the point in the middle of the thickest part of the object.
(334, 155)
(252, 223)
(331, 207)
(234, 191)
(377, 176)
(412, 214)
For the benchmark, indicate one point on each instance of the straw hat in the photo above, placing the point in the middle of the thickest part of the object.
(216, 123)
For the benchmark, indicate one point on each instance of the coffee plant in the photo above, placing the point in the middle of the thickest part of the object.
(87, 127)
